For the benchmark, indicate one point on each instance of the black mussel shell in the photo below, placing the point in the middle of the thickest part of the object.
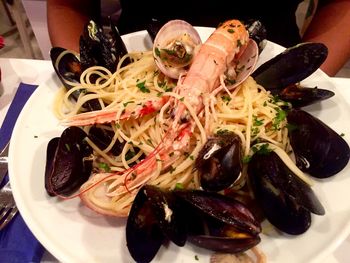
(285, 199)
(153, 27)
(118, 47)
(67, 165)
(167, 210)
(153, 218)
(95, 48)
(303, 96)
(102, 138)
(218, 222)
(50, 155)
(143, 234)
(257, 32)
(222, 208)
(219, 162)
(67, 66)
(291, 66)
(98, 47)
(214, 235)
(318, 149)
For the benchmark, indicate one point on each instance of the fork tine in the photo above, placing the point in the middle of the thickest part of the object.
(4, 212)
(9, 217)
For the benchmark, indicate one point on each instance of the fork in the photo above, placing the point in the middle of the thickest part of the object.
(8, 208)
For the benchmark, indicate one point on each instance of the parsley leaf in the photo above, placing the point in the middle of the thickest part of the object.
(142, 87)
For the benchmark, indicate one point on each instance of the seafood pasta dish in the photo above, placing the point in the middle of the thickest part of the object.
(191, 129)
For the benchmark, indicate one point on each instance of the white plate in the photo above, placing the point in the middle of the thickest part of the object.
(73, 233)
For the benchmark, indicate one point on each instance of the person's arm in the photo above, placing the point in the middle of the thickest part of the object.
(331, 26)
(66, 20)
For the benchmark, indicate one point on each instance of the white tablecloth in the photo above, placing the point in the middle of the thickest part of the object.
(15, 71)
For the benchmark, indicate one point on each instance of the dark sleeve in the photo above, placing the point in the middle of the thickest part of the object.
(281, 26)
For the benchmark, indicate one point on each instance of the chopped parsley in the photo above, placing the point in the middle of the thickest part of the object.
(179, 186)
(262, 149)
(142, 87)
(257, 122)
(130, 154)
(226, 98)
(128, 102)
(246, 159)
(280, 117)
(104, 166)
(157, 51)
(222, 132)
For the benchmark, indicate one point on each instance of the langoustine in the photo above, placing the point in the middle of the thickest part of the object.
(212, 65)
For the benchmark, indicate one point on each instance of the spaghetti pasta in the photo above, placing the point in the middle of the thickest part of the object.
(137, 98)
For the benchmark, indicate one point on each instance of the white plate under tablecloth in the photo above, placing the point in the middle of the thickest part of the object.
(73, 233)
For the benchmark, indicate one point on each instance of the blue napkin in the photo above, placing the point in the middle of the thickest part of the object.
(17, 243)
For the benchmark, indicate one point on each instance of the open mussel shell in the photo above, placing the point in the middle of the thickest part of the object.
(143, 234)
(67, 66)
(154, 217)
(67, 162)
(257, 32)
(291, 66)
(153, 27)
(219, 163)
(218, 222)
(303, 96)
(175, 46)
(95, 48)
(118, 46)
(222, 208)
(285, 199)
(318, 149)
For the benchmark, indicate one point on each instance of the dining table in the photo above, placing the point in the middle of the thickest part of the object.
(34, 72)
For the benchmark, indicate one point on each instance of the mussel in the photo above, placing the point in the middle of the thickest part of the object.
(285, 199)
(303, 96)
(282, 74)
(207, 219)
(175, 46)
(96, 48)
(291, 66)
(219, 223)
(67, 66)
(102, 138)
(155, 216)
(67, 162)
(257, 32)
(219, 163)
(153, 27)
(100, 48)
(318, 149)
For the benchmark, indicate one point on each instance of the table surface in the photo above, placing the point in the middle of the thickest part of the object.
(14, 71)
